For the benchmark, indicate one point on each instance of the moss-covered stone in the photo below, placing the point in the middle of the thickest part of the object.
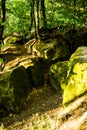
(58, 72)
(14, 88)
(52, 49)
(36, 74)
(76, 75)
(71, 76)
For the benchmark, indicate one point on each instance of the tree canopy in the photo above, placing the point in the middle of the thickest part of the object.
(24, 15)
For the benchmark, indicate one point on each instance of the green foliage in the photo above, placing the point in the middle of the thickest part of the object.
(17, 17)
(57, 13)
(62, 12)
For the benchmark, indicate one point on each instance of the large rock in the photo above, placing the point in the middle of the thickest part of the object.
(71, 76)
(76, 83)
(57, 74)
(35, 73)
(14, 88)
(51, 49)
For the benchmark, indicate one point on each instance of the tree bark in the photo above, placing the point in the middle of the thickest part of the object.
(43, 14)
(2, 19)
(36, 11)
(34, 14)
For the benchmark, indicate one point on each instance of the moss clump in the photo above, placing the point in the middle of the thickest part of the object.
(77, 83)
(58, 72)
(52, 49)
(6, 93)
(14, 88)
(12, 39)
(76, 75)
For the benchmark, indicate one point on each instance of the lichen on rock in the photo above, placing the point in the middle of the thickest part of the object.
(14, 88)
(76, 75)
(58, 72)
(71, 75)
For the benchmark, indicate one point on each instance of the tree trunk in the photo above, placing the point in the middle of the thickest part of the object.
(43, 14)
(2, 19)
(36, 12)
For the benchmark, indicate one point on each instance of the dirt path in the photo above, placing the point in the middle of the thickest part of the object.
(44, 111)
(42, 101)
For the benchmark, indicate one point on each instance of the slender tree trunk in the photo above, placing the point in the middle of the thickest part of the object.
(43, 14)
(2, 19)
(36, 12)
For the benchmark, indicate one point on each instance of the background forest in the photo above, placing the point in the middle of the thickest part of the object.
(43, 64)
(22, 16)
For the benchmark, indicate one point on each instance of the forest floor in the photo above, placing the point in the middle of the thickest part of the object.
(43, 110)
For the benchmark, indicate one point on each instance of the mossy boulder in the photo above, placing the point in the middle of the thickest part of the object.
(71, 75)
(52, 49)
(57, 73)
(76, 84)
(35, 73)
(14, 88)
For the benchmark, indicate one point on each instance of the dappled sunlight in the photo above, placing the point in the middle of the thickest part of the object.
(43, 115)
(43, 65)
(19, 60)
(14, 56)
(14, 49)
(74, 124)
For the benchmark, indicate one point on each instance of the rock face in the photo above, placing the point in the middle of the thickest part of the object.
(14, 88)
(35, 73)
(58, 72)
(76, 83)
(50, 49)
(71, 76)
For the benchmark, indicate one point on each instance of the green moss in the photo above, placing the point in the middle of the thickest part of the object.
(44, 47)
(21, 85)
(14, 88)
(12, 39)
(58, 72)
(52, 49)
(6, 93)
(76, 75)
